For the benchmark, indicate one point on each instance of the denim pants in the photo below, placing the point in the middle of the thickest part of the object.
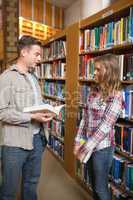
(21, 167)
(99, 167)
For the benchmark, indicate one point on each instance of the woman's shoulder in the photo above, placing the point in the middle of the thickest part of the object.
(116, 96)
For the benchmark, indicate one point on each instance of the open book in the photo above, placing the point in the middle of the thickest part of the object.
(44, 108)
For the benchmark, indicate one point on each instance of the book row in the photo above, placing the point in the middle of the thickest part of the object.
(57, 146)
(56, 69)
(86, 67)
(56, 128)
(127, 94)
(55, 49)
(121, 173)
(109, 34)
(124, 138)
(52, 88)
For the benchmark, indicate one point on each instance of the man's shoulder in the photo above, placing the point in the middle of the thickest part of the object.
(7, 75)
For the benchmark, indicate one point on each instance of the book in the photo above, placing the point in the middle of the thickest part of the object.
(82, 141)
(44, 108)
(87, 157)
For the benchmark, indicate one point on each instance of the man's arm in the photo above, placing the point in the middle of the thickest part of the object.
(8, 113)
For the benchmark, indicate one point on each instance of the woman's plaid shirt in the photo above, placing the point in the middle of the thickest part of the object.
(98, 120)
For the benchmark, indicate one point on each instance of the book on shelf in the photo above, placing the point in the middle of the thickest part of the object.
(44, 108)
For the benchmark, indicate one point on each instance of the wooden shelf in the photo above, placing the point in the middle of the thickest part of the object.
(56, 136)
(56, 156)
(87, 80)
(54, 59)
(54, 79)
(61, 35)
(124, 154)
(127, 82)
(53, 97)
(70, 36)
(115, 10)
(108, 50)
(121, 188)
(125, 121)
(84, 185)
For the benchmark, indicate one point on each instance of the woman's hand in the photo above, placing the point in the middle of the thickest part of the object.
(84, 154)
(76, 149)
(84, 151)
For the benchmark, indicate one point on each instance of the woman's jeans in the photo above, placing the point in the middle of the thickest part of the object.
(99, 167)
(21, 167)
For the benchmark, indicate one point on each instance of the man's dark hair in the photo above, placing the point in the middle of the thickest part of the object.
(27, 41)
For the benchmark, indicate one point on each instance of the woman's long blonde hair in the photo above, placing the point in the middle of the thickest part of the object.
(111, 80)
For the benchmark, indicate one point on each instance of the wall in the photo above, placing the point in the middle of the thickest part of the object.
(72, 14)
(82, 9)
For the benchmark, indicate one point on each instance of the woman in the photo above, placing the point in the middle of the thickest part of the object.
(104, 105)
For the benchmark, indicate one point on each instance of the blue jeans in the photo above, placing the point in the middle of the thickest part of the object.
(99, 167)
(21, 167)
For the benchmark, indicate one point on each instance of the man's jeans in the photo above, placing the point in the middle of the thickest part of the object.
(99, 167)
(21, 165)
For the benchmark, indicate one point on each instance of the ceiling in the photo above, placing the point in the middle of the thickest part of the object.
(62, 3)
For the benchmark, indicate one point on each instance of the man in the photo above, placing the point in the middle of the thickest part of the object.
(22, 137)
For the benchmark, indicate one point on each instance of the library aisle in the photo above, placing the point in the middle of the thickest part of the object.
(56, 184)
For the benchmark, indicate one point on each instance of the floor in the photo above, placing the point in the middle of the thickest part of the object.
(56, 184)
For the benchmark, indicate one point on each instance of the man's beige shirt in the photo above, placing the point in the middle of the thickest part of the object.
(16, 93)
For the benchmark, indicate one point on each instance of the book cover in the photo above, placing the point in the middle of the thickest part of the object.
(44, 108)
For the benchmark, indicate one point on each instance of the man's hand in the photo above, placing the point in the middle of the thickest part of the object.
(42, 117)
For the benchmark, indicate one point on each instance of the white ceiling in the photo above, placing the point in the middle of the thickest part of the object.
(62, 3)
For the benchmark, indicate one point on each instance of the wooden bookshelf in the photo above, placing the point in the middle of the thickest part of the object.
(71, 38)
(56, 156)
(112, 13)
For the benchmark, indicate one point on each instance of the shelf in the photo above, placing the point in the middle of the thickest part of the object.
(87, 80)
(56, 136)
(127, 82)
(53, 97)
(83, 184)
(121, 188)
(115, 10)
(56, 156)
(60, 35)
(53, 59)
(54, 79)
(124, 154)
(108, 50)
(125, 120)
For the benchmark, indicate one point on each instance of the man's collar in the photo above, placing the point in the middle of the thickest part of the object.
(14, 68)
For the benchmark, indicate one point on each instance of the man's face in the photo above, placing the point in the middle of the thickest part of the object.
(33, 56)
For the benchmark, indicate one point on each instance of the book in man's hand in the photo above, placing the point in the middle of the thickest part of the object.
(45, 108)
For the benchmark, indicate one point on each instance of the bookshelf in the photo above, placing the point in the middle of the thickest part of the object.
(58, 78)
(110, 31)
